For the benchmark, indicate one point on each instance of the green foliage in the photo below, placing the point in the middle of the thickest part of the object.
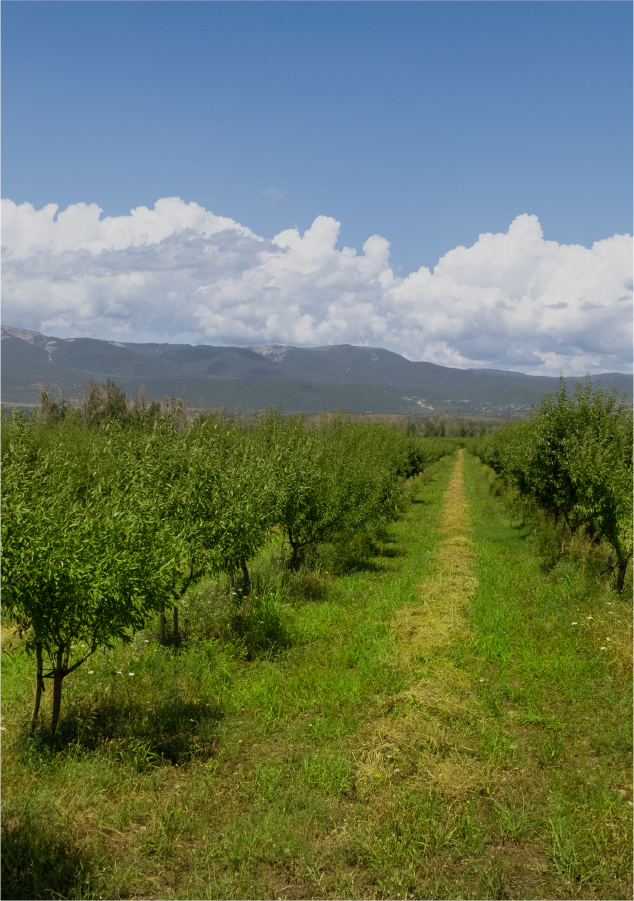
(259, 623)
(201, 776)
(103, 401)
(340, 475)
(113, 515)
(85, 552)
(574, 458)
(40, 859)
(52, 411)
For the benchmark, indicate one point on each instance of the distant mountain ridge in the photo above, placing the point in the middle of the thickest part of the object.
(360, 379)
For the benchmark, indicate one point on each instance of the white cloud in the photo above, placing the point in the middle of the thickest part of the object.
(180, 273)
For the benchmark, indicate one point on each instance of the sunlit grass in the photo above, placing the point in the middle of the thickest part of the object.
(291, 749)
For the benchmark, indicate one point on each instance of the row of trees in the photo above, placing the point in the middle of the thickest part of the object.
(450, 428)
(573, 456)
(107, 520)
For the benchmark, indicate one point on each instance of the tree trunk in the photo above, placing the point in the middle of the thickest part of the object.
(58, 675)
(246, 581)
(292, 563)
(175, 635)
(621, 576)
(39, 686)
(162, 640)
(608, 573)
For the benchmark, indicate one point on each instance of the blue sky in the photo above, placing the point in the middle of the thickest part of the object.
(489, 143)
(427, 123)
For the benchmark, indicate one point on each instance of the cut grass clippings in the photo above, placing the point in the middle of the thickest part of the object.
(432, 726)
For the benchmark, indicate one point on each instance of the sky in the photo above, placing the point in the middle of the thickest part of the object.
(452, 181)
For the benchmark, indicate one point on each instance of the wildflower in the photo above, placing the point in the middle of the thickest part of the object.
(130, 674)
(575, 624)
(608, 639)
(603, 648)
(147, 641)
(90, 672)
(589, 617)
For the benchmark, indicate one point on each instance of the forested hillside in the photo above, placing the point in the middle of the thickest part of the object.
(308, 380)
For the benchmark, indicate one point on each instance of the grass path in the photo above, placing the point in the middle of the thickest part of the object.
(439, 728)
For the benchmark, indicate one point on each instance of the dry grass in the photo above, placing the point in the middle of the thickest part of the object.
(8, 636)
(438, 619)
(417, 742)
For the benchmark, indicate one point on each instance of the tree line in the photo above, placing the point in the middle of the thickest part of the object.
(573, 457)
(110, 512)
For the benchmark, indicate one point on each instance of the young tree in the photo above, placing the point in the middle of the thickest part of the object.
(574, 458)
(599, 461)
(336, 476)
(85, 553)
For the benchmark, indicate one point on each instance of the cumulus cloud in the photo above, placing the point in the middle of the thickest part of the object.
(180, 273)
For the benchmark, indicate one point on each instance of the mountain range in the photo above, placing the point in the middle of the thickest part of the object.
(311, 380)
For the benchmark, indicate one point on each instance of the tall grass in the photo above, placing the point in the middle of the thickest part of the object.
(289, 747)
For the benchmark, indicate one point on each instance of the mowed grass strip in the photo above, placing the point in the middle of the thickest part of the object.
(437, 728)
(411, 744)
(552, 653)
(503, 769)
(205, 775)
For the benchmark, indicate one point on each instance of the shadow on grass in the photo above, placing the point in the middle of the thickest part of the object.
(172, 732)
(518, 530)
(361, 553)
(39, 860)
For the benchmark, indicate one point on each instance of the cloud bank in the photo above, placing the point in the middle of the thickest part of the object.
(180, 273)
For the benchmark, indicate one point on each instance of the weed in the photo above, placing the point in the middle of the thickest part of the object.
(260, 625)
(40, 856)
(513, 821)
(427, 723)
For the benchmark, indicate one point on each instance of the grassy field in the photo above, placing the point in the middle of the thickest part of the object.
(450, 718)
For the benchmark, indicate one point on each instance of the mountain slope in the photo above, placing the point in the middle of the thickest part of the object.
(361, 379)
